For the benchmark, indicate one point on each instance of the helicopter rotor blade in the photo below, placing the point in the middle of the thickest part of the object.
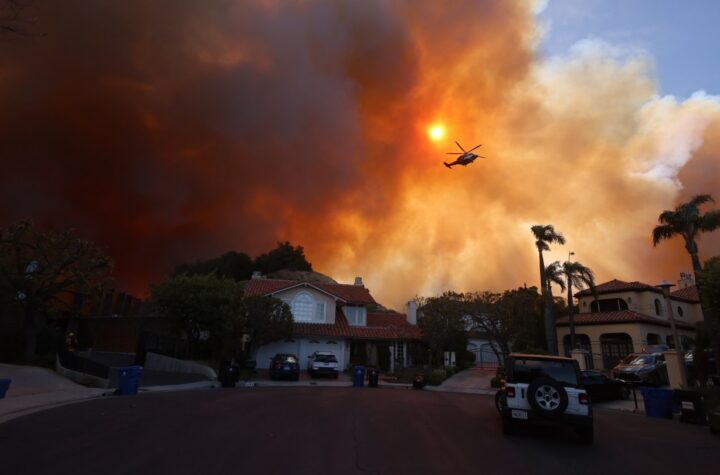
(458, 144)
(475, 148)
(454, 153)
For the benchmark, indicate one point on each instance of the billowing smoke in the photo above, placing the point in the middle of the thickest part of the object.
(170, 131)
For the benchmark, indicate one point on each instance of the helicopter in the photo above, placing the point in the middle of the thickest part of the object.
(465, 158)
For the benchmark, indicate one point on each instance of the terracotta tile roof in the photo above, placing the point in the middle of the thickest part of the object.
(623, 316)
(618, 286)
(355, 294)
(379, 327)
(688, 294)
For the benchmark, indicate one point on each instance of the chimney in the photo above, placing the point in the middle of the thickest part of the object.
(257, 275)
(358, 281)
(686, 280)
(411, 312)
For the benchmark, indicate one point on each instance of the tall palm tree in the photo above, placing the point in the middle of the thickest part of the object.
(686, 221)
(545, 235)
(578, 276)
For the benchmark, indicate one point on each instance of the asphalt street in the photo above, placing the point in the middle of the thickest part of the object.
(333, 430)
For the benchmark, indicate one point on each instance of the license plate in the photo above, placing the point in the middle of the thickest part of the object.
(519, 414)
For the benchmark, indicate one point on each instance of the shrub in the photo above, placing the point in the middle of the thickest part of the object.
(437, 376)
(495, 382)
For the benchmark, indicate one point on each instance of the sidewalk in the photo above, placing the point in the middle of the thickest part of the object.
(471, 381)
(33, 389)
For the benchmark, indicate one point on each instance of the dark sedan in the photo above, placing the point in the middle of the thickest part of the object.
(602, 388)
(284, 365)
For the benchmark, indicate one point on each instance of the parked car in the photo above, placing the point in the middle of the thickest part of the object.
(323, 363)
(642, 368)
(284, 365)
(547, 390)
(602, 388)
(693, 370)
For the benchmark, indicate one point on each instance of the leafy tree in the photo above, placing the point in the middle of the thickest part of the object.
(511, 320)
(687, 221)
(204, 306)
(267, 319)
(544, 236)
(231, 265)
(284, 256)
(43, 271)
(443, 322)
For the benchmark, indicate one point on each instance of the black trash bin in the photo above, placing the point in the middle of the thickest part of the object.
(419, 381)
(373, 378)
(229, 375)
(692, 409)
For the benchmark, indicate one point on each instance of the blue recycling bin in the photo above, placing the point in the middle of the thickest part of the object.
(658, 402)
(4, 386)
(129, 379)
(358, 376)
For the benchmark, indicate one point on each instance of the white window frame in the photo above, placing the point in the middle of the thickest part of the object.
(355, 316)
(306, 309)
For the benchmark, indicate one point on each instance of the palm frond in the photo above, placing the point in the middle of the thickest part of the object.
(698, 200)
(710, 221)
(554, 274)
(665, 231)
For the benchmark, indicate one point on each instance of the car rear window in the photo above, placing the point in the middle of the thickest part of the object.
(527, 370)
(325, 358)
(642, 359)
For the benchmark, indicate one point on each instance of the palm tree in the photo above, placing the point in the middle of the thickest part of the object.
(579, 276)
(686, 221)
(544, 236)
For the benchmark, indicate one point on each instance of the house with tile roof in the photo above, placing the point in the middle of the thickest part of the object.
(339, 318)
(626, 317)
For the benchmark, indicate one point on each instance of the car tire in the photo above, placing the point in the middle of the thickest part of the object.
(586, 434)
(547, 397)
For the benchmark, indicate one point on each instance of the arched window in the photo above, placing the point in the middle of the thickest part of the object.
(658, 307)
(303, 307)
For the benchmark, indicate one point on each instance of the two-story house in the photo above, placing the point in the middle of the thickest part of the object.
(339, 318)
(627, 317)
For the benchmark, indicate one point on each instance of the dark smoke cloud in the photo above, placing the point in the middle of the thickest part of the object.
(169, 131)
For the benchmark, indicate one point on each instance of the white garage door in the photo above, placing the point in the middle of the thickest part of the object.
(309, 346)
(266, 352)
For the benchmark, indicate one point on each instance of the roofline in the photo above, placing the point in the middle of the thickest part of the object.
(307, 284)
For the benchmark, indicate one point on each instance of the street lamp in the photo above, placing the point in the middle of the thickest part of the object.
(665, 287)
(571, 310)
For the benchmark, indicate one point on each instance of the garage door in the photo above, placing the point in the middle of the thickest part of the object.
(266, 352)
(308, 347)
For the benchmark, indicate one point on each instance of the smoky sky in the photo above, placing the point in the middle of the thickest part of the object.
(171, 131)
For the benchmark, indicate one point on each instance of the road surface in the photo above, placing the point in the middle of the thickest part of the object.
(333, 430)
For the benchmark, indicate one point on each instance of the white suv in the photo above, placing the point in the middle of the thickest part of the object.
(546, 390)
(323, 362)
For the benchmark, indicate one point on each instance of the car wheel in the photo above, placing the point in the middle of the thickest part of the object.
(499, 400)
(586, 434)
(547, 397)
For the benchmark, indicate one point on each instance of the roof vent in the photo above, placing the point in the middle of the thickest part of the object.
(358, 281)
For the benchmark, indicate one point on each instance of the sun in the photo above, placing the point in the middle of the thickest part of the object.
(436, 132)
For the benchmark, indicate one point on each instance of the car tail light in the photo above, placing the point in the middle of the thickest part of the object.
(510, 391)
(584, 398)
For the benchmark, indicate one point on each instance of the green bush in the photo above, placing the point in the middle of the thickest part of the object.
(437, 376)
